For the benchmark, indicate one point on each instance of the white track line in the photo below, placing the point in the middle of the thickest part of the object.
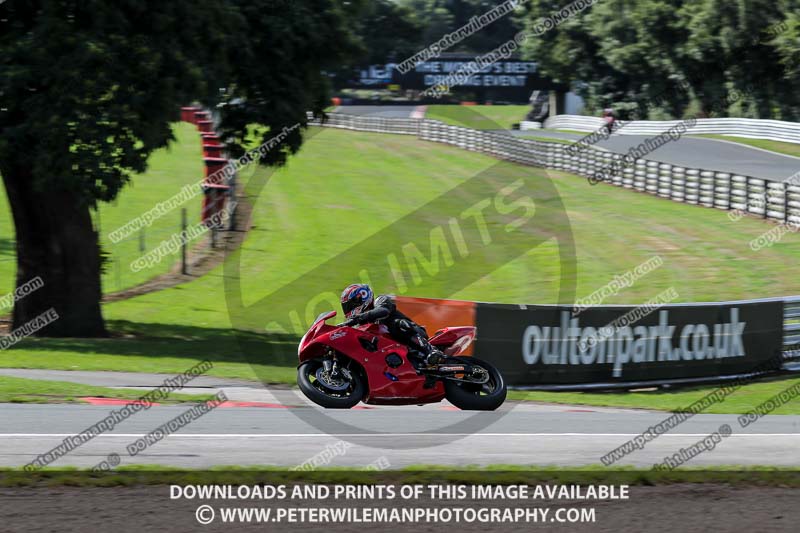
(393, 435)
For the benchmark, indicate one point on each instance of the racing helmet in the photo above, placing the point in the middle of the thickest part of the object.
(356, 299)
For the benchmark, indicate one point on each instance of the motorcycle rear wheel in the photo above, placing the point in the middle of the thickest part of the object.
(477, 397)
(319, 392)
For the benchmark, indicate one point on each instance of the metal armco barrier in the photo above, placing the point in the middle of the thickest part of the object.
(547, 345)
(791, 333)
(773, 200)
(773, 130)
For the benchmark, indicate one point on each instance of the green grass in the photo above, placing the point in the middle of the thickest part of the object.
(142, 475)
(739, 402)
(8, 252)
(480, 117)
(152, 348)
(345, 186)
(169, 169)
(356, 178)
(21, 390)
(576, 132)
(772, 146)
(547, 139)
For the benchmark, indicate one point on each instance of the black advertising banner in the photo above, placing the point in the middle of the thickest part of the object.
(509, 75)
(548, 345)
(506, 73)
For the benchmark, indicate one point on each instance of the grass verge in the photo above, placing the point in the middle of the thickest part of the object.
(21, 390)
(773, 146)
(479, 117)
(156, 348)
(497, 474)
(547, 139)
(575, 132)
(739, 402)
(169, 169)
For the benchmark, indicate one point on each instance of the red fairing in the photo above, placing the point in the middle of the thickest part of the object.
(369, 346)
(454, 340)
(317, 328)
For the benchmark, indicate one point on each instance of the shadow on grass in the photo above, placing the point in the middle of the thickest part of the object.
(167, 340)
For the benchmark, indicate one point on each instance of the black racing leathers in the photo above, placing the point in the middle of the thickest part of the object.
(401, 328)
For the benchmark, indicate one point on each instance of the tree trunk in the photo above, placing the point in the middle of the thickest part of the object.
(56, 242)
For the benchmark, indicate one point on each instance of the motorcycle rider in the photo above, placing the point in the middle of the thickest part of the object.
(610, 119)
(361, 307)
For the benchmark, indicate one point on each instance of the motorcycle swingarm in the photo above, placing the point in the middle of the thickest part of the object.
(449, 369)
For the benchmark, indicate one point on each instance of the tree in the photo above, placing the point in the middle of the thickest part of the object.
(389, 31)
(434, 16)
(688, 56)
(88, 91)
(439, 17)
(490, 36)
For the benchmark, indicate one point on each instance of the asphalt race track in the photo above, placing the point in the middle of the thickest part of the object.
(520, 434)
(387, 111)
(691, 152)
(694, 152)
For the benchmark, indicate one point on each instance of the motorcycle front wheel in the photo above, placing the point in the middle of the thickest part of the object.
(331, 392)
(486, 396)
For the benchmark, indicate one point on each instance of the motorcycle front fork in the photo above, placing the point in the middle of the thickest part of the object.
(331, 365)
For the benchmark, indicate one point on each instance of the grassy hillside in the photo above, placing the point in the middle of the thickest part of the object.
(345, 187)
(480, 117)
(169, 169)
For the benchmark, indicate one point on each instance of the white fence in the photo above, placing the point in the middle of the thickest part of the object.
(791, 329)
(777, 201)
(773, 130)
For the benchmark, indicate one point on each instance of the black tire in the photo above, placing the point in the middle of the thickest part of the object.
(473, 397)
(317, 393)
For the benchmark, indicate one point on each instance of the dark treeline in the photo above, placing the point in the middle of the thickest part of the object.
(688, 57)
(668, 58)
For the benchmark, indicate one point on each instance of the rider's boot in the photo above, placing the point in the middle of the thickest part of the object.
(433, 357)
(430, 355)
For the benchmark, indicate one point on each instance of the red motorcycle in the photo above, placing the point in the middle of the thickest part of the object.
(341, 366)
